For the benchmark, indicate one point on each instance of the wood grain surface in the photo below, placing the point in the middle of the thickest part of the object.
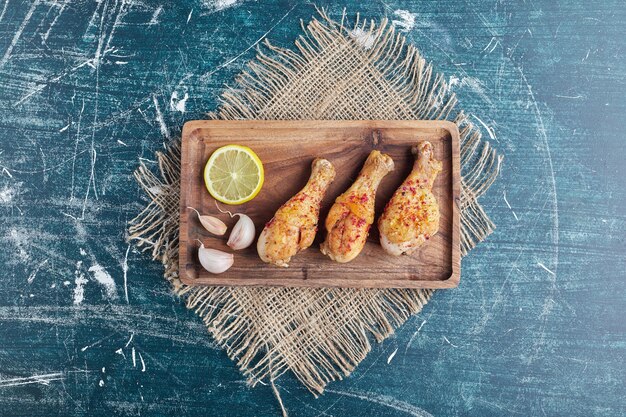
(90, 88)
(287, 149)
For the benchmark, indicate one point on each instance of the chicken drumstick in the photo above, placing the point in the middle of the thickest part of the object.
(293, 227)
(350, 218)
(412, 215)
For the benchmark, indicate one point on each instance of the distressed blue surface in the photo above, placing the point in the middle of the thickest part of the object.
(536, 327)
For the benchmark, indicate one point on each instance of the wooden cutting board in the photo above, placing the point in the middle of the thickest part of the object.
(287, 149)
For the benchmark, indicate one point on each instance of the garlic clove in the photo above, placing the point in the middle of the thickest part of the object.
(211, 224)
(243, 233)
(215, 261)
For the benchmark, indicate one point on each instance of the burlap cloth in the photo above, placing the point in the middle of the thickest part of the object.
(361, 72)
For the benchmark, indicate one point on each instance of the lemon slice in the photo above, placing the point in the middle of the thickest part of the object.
(234, 174)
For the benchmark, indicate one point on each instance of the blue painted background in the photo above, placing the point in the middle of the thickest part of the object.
(537, 326)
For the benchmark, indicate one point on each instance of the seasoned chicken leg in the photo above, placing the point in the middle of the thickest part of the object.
(350, 218)
(294, 225)
(412, 215)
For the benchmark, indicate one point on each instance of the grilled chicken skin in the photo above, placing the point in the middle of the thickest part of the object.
(293, 227)
(412, 215)
(351, 216)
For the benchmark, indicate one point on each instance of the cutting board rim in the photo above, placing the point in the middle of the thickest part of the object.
(188, 133)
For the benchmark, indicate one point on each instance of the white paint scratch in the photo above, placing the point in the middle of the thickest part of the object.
(449, 342)
(475, 85)
(80, 118)
(18, 33)
(32, 276)
(218, 5)
(129, 340)
(159, 118)
(121, 143)
(421, 325)
(98, 54)
(64, 128)
(385, 401)
(155, 16)
(125, 271)
(103, 278)
(118, 20)
(120, 352)
(7, 194)
(4, 9)
(453, 81)
(578, 97)
(143, 364)
(92, 175)
(510, 51)
(178, 104)
(21, 240)
(93, 16)
(509, 206)
(189, 17)
(69, 215)
(391, 356)
(44, 38)
(546, 268)
(406, 20)
(43, 161)
(96, 343)
(493, 42)
(80, 281)
(43, 379)
(363, 37)
(490, 131)
(134, 357)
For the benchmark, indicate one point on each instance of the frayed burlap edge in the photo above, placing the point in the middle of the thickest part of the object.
(319, 334)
